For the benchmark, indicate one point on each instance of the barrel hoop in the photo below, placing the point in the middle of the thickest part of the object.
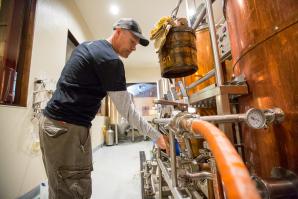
(178, 45)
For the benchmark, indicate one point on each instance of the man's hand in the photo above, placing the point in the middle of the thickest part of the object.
(163, 143)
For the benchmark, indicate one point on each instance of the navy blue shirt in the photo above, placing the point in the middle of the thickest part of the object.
(93, 69)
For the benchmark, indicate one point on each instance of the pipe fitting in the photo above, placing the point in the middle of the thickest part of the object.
(200, 175)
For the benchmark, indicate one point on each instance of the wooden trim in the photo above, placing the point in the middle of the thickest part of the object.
(11, 48)
(24, 62)
(72, 38)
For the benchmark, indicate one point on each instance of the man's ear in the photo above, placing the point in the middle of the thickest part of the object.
(117, 31)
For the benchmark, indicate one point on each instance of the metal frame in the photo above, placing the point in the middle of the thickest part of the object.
(214, 91)
(167, 177)
(221, 97)
(201, 80)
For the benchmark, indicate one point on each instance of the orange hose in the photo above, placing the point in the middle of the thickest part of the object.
(235, 176)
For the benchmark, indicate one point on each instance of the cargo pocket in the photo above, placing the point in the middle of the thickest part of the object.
(75, 182)
(53, 130)
(85, 141)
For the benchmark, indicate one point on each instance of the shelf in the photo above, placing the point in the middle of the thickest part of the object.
(212, 91)
(167, 102)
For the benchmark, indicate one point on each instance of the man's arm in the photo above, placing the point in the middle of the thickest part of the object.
(126, 108)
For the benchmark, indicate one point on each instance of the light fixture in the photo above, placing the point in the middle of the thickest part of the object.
(114, 9)
(190, 12)
(191, 109)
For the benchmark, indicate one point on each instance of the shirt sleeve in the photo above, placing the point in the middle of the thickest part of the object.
(112, 75)
(126, 108)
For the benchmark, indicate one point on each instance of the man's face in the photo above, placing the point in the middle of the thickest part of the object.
(127, 43)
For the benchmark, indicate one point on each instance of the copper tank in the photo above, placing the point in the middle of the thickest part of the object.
(264, 41)
(204, 59)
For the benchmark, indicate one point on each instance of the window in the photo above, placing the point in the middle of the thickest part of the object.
(16, 36)
(142, 89)
(143, 95)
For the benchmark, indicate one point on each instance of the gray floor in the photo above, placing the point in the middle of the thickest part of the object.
(116, 172)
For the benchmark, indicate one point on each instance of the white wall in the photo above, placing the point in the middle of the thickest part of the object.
(139, 75)
(21, 169)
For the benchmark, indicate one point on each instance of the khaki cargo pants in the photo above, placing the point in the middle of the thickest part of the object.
(67, 156)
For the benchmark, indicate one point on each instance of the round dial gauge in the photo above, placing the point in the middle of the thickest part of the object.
(255, 118)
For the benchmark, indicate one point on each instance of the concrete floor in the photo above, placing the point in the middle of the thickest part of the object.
(116, 172)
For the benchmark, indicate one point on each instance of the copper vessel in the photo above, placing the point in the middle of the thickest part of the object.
(264, 42)
(204, 59)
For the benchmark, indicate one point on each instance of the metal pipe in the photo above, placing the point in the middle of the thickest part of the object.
(224, 118)
(116, 128)
(116, 133)
(188, 148)
(218, 69)
(173, 159)
(158, 89)
(196, 194)
(210, 118)
(167, 178)
(234, 173)
(164, 172)
(199, 18)
(216, 182)
(200, 175)
(175, 11)
(159, 176)
(161, 120)
(182, 88)
(163, 130)
(275, 114)
(238, 135)
(201, 80)
(202, 158)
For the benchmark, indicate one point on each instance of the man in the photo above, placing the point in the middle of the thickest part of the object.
(93, 71)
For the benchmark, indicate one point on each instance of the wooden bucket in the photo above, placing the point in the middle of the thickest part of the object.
(178, 56)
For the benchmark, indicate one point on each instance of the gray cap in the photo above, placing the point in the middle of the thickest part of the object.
(132, 26)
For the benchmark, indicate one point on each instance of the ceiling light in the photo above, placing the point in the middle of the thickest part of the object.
(191, 12)
(114, 9)
(191, 109)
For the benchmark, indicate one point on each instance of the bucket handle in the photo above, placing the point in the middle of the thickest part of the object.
(176, 9)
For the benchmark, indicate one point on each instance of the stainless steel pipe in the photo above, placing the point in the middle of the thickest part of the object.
(173, 159)
(174, 190)
(199, 18)
(188, 147)
(159, 176)
(200, 175)
(224, 118)
(201, 80)
(218, 69)
(211, 118)
(161, 120)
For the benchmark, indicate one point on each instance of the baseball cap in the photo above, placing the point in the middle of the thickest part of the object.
(131, 25)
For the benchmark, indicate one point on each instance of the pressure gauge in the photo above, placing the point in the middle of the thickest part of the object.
(255, 118)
